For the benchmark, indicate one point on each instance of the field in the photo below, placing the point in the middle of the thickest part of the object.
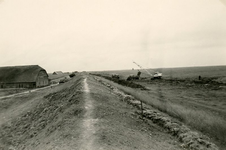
(179, 73)
(198, 103)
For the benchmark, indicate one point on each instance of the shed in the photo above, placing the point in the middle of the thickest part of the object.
(23, 77)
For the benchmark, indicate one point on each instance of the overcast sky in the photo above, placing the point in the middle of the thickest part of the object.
(87, 35)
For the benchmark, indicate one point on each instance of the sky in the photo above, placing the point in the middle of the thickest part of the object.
(90, 35)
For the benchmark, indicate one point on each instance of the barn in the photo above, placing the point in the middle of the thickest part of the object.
(57, 72)
(31, 76)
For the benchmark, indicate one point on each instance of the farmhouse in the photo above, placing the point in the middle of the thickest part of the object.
(23, 77)
(57, 72)
(58, 77)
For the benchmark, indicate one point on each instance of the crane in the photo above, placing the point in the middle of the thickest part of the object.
(156, 74)
(142, 68)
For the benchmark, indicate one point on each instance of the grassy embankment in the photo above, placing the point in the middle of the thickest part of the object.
(49, 112)
(207, 123)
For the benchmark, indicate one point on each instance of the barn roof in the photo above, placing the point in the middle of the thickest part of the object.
(15, 74)
(58, 72)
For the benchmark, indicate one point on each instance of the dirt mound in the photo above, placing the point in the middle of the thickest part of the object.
(45, 116)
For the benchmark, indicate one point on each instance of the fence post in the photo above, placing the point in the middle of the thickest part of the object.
(142, 113)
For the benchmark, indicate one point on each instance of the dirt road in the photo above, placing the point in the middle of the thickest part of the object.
(88, 123)
(27, 91)
(81, 114)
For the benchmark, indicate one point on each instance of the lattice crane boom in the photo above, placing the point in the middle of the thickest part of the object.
(143, 68)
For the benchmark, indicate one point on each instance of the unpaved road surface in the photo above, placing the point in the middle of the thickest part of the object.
(89, 122)
(81, 114)
(26, 91)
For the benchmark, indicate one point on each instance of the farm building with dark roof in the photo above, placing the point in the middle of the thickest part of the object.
(57, 72)
(23, 77)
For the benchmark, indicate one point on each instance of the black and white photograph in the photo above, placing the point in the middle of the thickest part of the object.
(112, 74)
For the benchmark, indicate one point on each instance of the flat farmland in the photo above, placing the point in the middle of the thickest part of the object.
(217, 72)
(190, 94)
(198, 103)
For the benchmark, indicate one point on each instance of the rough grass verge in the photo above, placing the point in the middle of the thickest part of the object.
(207, 123)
